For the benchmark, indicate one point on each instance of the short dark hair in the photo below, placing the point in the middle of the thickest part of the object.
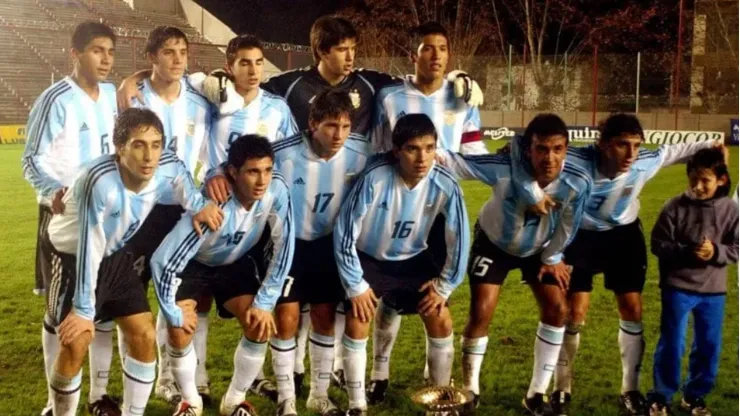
(417, 33)
(620, 124)
(249, 146)
(85, 32)
(412, 126)
(544, 125)
(714, 160)
(328, 31)
(330, 103)
(133, 119)
(242, 42)
(160, 35)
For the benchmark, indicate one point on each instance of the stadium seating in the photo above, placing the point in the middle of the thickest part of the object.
(35, 43)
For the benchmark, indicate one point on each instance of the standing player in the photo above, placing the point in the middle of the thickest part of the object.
(508, 237)
(458, 128)
(619, 170)
(70, 124)
(381, 243)
(225, 265)
(186, 116)
(106, 205)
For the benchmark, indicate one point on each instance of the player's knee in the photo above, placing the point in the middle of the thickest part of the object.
(142, 338)
(555, 313)
(178, 338)
(439, 326)
(322, 319)
(480, 314)
(630, 310)
(78, 347)
(287, 323)
(577, 313)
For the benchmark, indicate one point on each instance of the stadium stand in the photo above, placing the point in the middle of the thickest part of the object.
(35, 37)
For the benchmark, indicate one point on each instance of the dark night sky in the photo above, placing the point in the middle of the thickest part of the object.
(272, 20)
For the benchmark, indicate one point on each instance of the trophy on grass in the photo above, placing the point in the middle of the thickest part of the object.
(444, 401)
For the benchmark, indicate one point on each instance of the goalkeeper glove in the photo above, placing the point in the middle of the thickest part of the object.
(214, 86)
(466, 88)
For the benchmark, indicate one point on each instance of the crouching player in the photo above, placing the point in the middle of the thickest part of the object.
(224, 264)
(96, 278)
(380, 240)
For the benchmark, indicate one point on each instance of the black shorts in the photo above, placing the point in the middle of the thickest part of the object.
(619, 253)
(314, 272)
(43, 258)
(398, 282)
(160, 221)
(490, 264)
(119, 292)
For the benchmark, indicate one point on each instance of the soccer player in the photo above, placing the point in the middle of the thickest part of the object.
(619, 169)
(186, 116)
(70, 124)
(508, 237)
(96, 277)
(458, 128)
(380, 240)
(225, 264)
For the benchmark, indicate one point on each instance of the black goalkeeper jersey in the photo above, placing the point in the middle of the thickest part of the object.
(300, 86)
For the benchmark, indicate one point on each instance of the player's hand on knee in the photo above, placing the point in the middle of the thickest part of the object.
(218, 188)
(544, 206)
(212, 216)
(73, 326)
(57, 206)
(363, 305)
(189, 321)
(560, 272)
(432, 302)
(261, 323)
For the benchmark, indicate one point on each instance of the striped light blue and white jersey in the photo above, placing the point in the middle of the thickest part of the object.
(457, 123)
(318, 186)
(504, 217)
(615, 202)
(101, 215)
(385, 219)
(66, 129)
(186, 121)
(267, 115)
(240, 231)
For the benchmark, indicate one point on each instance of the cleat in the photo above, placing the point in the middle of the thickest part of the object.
(476, 400)
(48, 410)
(560, 403)
(186, 409)
(264, 388)
(167, 390)
(105, 406)
(287, 408)
(243, 409)
(337, 379)
(298, 382)
(695, 407)
(376, 390)
(323, 406)
(632, 403)
(537, 405)
(659, 409)
(205, 394)
(356, 411)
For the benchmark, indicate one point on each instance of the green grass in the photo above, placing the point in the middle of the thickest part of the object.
(506, 370)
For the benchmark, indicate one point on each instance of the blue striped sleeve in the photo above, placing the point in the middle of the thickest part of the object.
(168, 262)
(488, 169)
(282, 230)
(570, 218)
(457, 238)
(91, 204)
(180, 187)
(380, 130)
(524, 184)
(288, 126)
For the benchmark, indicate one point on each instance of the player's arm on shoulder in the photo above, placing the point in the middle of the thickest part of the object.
(488, 169)
(279, 84)
(128, 91)
(457, 238)
(378, 79)
(671, 154)
(43, 128)
(380, 133)
(168, 261)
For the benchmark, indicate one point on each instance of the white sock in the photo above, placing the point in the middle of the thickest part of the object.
(165, 367)
(631, 347)
(355, 361)
(338, 333)
(122, 349)
(564, 369)
(200, 339)
(283, 357)
(546, 352)
(138, 380)
(260, 374)
(248, 360)
(183, 363)
(100, 357)
(440, 354)
(473, 351)
(321, 353)
(50, 346)
(304, 324)
(66, 394)
(387, 323)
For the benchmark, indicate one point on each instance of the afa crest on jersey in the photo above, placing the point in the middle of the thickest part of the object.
(262, 129)
(449, 117)
(190, 128)
(354, 95)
